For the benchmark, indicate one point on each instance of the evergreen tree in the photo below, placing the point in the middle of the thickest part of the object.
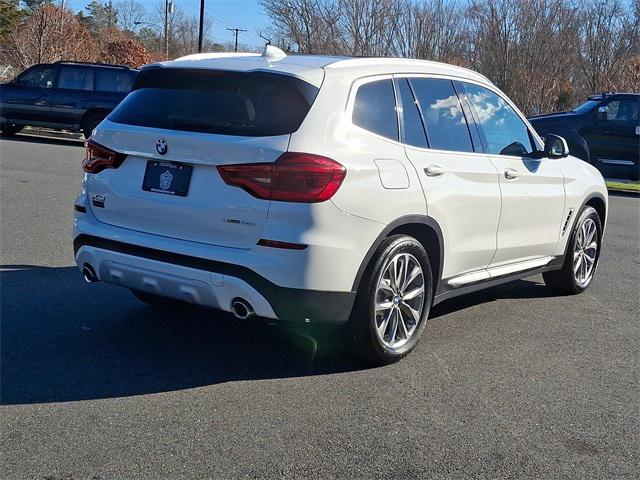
(10, 15)
(99, 16)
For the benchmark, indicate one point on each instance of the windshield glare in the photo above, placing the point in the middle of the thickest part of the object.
(586, 106)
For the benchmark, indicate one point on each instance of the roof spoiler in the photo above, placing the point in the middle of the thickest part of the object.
(270, 54)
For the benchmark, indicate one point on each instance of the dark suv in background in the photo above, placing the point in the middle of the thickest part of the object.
(64, 95)
(604, 131)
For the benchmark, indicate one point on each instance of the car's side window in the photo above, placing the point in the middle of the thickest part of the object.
(412, 128)
(76, 78)
(375, 108)
(38, 77)
(442, 114)
(622, 111)
(503, 131)
(113, 80)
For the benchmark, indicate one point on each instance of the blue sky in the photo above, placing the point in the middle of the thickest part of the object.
(247, 14)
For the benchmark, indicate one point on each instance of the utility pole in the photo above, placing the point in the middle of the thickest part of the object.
(201, 31)
(236, 30)
(166, 28)
(168, 9)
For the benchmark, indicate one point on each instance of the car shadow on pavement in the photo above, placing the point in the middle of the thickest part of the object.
(65, 340)
(529, 288)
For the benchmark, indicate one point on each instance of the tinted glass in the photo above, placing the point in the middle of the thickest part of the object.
(442, 113)
(211, 101)
(39, 77)
(375, 109)
(76, 78)
(586, 106)
(411, 122)
(503, 130)
(622, 111)
(113, 80)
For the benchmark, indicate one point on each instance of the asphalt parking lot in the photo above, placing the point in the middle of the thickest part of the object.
(506, 383)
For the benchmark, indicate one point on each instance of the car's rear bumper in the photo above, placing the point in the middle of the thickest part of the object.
(206, 282)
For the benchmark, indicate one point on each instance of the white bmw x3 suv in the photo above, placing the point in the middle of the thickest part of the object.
(319, 189)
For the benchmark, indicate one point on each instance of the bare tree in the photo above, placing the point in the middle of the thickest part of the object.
(130, 14)
(433, 29)
(47, 35)
(610, 37)
(545, 54)
(306, 26)
(184, 34)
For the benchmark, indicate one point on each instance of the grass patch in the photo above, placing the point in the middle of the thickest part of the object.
(627, 187)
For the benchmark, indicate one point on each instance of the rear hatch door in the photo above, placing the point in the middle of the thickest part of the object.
(180, 123)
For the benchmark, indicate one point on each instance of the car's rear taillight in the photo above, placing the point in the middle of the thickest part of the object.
(98, 158)
(294, 177)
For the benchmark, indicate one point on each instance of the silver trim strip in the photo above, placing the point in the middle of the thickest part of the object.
(616, 162)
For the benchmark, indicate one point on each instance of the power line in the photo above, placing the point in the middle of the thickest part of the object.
(236, 30)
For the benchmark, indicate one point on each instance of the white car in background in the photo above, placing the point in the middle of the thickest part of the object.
(320, 189)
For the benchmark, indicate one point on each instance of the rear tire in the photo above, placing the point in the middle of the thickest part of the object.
(91, 122)
(156, 300)
(582, 256)
(10, 128)
(393, 301)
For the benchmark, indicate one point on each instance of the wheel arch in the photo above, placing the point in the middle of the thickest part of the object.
(596, 201)
(421, 227)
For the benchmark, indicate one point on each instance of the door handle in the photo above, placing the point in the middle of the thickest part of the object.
(638, 130)
(510, 173)
(434, 170)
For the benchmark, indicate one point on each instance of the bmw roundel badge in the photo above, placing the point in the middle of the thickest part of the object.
(161, 146)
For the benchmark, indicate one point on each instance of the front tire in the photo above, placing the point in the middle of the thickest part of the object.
(583, 253)
(10, 128)
(393, 302)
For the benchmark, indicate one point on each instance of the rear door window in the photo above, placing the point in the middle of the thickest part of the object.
(113, 80)
(375, 108)
(76, 78)
(442, 114)
(214, 101)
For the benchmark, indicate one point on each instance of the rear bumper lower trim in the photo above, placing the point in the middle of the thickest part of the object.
(289, 304)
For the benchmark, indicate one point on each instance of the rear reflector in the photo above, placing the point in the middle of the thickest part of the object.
(98, 158)
(294, 177)
(277, 244)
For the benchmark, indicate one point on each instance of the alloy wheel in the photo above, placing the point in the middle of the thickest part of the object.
(399, 300)
(585, 252)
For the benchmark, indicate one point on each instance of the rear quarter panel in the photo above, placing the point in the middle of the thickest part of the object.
(328, 130)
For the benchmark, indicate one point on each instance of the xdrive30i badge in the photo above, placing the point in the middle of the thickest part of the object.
(98, 200)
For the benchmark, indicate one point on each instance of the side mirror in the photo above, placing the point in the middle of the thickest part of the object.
(555, 146)
(602, 112)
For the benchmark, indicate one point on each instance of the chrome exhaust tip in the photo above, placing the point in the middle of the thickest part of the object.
(242, 309)
(89, 274)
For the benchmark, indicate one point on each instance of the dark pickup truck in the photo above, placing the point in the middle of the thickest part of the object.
(604, 131)
(72, 96)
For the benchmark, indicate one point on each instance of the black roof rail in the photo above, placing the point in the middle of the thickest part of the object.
(95, 64)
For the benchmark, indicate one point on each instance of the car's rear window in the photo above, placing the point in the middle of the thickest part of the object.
(213, 101)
